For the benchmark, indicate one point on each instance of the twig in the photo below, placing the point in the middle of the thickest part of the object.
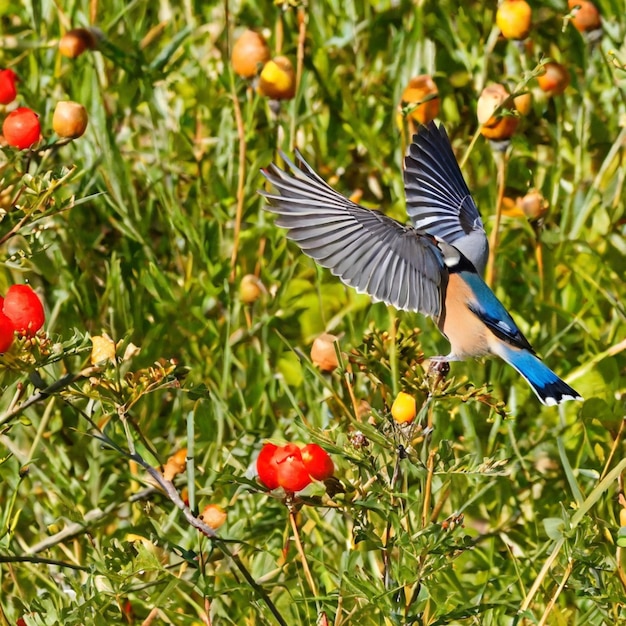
(618, 439)
(495, 231)
(392, 489)
(72, 530)
(241, 173)
(305, 565)
(36, 559)
(430, 468)
(66, 380)
(555, 595)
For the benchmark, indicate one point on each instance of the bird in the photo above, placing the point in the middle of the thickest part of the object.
(433, 266)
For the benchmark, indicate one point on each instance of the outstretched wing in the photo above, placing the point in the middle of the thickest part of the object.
(438, 200)
(367, 250)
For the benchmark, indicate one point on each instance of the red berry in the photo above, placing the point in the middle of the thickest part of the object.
(24, 309)
(8, 90)
(317, 462)
(21, 128)
(266, 466)
(292, 474)
(7, 332)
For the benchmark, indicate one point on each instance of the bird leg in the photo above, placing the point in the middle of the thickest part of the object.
(439, 365)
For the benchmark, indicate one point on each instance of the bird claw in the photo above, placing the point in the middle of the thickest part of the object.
(439, 365)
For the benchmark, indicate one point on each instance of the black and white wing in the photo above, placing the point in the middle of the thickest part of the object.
(366, 249)
(437, 197)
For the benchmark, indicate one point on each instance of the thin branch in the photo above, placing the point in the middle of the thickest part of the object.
(305, 565)
(56, 386)
(37, 559)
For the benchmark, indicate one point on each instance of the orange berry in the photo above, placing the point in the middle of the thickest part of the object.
(404, 408)
(249, 53)
(555, 79)
(175, 464)
(523, 103)
(417, 91)
(533, 205)
(278, 80)
(514, 19)
(510, 208)
(69, 119)
(498, 123)
(213, 516)
(76, 41)
(586, 16)
(323, 352)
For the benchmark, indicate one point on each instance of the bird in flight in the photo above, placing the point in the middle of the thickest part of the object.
(433, 266)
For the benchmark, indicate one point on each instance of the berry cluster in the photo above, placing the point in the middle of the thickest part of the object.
(21, 127)
(291, 467)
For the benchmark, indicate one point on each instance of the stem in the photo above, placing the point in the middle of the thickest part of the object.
(555, 595)
(539, 257)
(301, 17)
(392, 488)
(66, 380)
(241, 134)
(296, 538)
(584, 508)
(430, 467)
(37, 559)
(618, 439)
(191, 486)
(495, 232)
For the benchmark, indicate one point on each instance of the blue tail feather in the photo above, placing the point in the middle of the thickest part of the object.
(548, 387)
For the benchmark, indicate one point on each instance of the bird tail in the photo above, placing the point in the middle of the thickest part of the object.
(548, 387)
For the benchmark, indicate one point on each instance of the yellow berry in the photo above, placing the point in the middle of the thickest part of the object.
(403, 409)
(278, 80)
(514, 19)
(250, 289)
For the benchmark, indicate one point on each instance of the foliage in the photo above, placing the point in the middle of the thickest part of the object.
(489, 508)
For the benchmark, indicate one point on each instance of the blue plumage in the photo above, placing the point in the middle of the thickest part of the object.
(430, 267)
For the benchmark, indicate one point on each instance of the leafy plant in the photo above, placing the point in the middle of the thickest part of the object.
(140, 236)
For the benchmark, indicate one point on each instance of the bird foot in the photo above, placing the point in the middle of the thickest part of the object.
(439, 365)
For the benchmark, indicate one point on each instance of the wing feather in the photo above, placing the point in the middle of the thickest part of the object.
(366, 249)
(438, 200)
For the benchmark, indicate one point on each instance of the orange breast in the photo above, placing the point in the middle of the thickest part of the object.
(467, 335)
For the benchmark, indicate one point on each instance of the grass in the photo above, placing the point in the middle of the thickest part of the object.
(489, 509)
